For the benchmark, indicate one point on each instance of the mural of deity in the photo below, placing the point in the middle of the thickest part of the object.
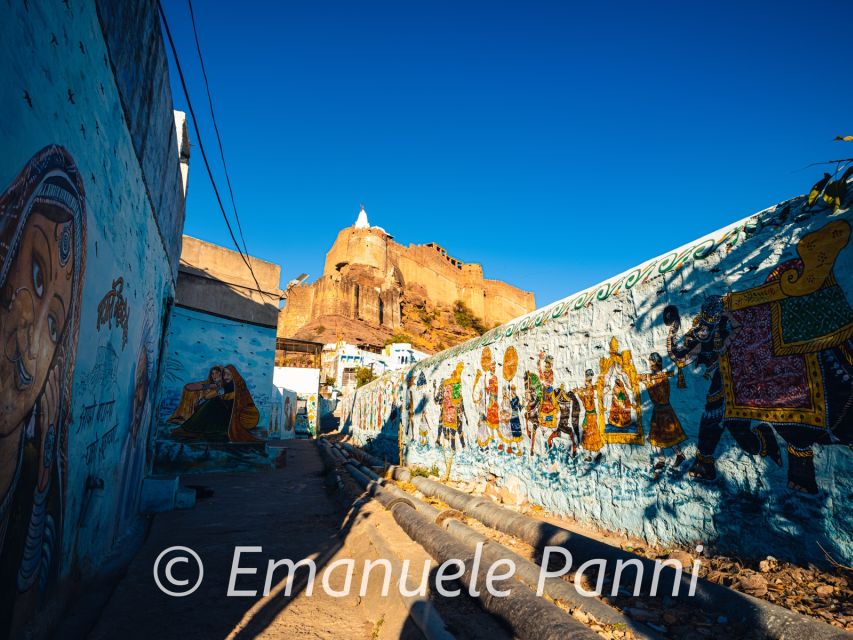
(664, 427)
(619, 409)
(42, 265)
(222, 409)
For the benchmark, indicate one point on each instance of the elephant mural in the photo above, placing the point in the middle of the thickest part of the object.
(779, 357)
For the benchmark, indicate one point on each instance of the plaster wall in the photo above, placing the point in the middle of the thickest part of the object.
(196, 344)
(91, 209)
(699, 398)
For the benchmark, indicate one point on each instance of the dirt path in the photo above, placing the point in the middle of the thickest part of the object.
(290, 514)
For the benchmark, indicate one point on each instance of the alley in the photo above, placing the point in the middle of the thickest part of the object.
(289, 513)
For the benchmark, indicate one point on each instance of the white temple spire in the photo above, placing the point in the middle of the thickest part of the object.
(361, 222)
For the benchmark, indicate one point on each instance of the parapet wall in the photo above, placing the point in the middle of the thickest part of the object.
(702, 397)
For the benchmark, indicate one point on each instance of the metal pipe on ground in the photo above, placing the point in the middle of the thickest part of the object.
(528, 615)
(420, 608)
(362, 455)
(777, 622)
(526, 570)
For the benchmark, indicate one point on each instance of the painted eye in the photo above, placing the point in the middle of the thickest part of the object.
(51, 328)
(38, 278)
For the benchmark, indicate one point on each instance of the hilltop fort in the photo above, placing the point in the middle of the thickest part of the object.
(373, 288)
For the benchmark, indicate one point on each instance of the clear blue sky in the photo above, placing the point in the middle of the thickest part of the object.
(555, 143)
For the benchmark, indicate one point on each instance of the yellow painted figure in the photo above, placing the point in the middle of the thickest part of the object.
(619, 408)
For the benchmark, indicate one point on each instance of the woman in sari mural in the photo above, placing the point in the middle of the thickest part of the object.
(228, 416)
(196, 393)
(42, 262)
(664, 427)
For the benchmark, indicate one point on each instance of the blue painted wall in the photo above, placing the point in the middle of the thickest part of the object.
(742, 425)
(196, 342)
(85, 281)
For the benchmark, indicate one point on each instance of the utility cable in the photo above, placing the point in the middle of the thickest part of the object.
(201, 146)
(216, 126)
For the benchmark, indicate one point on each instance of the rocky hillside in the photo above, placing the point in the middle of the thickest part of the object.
(428, 327)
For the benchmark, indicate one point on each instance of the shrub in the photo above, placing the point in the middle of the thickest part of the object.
(466, 319)
(363, 375)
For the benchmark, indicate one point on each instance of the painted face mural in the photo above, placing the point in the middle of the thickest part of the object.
(42, 240)
(218, 409)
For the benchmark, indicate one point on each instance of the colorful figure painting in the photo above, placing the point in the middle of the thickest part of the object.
(619, 409)
(763, 367)
(509, 430)
(449, 398)
(665, 429)
(42, 265)
(217, 409)
(779, 355)
(591, 440)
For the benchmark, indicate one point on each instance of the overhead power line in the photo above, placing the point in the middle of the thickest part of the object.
(216, 127)
(201, 147)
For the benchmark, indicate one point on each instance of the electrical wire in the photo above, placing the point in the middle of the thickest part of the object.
(216, 126)
(201, 146)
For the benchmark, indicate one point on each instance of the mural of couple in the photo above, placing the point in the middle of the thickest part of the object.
(217, 409)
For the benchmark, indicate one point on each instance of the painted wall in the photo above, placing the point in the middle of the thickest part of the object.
(214, 403)
(285, 413)
(306, 383)
(702, 396)
(85, 278)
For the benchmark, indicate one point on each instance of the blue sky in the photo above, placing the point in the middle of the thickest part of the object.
(556, 143)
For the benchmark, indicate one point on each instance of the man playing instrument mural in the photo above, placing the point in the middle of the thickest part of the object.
(196, 393)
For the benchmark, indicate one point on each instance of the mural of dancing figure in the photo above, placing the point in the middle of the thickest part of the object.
(590, 433)
(665, 429)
